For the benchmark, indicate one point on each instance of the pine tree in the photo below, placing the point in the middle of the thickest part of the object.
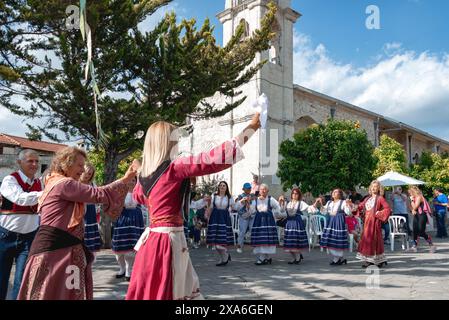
(164, 74)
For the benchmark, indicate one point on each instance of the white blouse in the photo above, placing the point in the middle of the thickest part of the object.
(129, 201)
(292, 208)
(197, 205)
(222, 202)
(331, 208)
(262, 206)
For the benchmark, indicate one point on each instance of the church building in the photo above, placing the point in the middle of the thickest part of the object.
(292, 107)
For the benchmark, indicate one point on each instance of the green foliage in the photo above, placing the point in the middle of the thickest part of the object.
(327, 156)
(434, 170)
(390, 156)
(165, 74)
(207, 187)
(97, 158)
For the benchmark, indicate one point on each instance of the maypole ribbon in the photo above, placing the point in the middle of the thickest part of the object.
(86, 33)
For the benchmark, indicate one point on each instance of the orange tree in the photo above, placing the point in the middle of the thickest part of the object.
(323, 157)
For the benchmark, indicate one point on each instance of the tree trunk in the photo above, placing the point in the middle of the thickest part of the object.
(110, 173)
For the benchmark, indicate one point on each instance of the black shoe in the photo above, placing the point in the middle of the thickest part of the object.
(340, 262)
(292, 262)
(298, 261)
(224, 262)
(119, 276)
(128, 279)
(261, 262)
(366, 265)
(335, 263)
(385, 263)
(268, 261)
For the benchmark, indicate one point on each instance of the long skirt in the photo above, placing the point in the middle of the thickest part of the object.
(295, 235)
(62, 274)
(371, 246)
(219, 229)
(335, 235)
(128, 229)
(264, 231)
(162, 267)
(92, 238)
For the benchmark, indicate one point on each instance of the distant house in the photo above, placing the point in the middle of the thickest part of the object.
(10, 146)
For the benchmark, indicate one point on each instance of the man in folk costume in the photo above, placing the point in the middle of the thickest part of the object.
(162, 268)
(375, 211)
(18, 219)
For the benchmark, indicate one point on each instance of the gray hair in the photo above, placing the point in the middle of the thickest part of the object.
(264, 186)
(27, 152)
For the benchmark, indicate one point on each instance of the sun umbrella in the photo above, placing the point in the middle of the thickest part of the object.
(392, 178)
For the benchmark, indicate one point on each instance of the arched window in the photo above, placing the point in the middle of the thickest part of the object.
(303, 123)
(275, 45)
(246, 32)
(416, 158)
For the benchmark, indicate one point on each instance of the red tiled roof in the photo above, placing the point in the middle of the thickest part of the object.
(29, 144)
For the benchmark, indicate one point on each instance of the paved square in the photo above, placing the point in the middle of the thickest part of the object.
(419, 275)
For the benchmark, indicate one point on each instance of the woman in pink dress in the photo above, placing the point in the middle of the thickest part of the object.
(162, 267)
(59, 263)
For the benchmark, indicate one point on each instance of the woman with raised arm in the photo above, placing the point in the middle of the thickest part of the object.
(219, 228)
(295, 237)
(162, 268)
(335, 235)
(264, 235)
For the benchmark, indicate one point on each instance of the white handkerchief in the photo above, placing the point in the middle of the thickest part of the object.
(261, 105)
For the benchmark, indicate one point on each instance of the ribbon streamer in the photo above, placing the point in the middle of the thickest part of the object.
(86, 34)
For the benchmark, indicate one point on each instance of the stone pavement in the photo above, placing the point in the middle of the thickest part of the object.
(420, 275)
(408, 276)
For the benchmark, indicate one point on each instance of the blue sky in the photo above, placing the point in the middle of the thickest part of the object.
(400, 71)
(420, 25)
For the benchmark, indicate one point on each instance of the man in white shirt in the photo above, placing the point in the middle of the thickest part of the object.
(19, 220)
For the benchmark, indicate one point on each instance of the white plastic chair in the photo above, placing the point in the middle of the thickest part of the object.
(395, 223)
(235, 226)
(315, 229)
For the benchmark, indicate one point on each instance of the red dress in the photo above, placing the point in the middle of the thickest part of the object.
(162, 268)
(371, 246)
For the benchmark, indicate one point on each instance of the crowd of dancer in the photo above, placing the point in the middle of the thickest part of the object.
(49, 228)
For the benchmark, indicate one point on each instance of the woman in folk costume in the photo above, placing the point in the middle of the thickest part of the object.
(219, 229)
(375, 211)
(92, 238)
(128, 229)
(59, 264)
(264, 235)
(295, 236)
(421, 216)
(162, 268)
(335, 235)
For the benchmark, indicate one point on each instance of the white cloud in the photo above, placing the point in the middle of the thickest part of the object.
(402, 84)
(152, 21)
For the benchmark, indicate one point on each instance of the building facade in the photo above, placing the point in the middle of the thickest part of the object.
(10, 146)
(292, 107)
